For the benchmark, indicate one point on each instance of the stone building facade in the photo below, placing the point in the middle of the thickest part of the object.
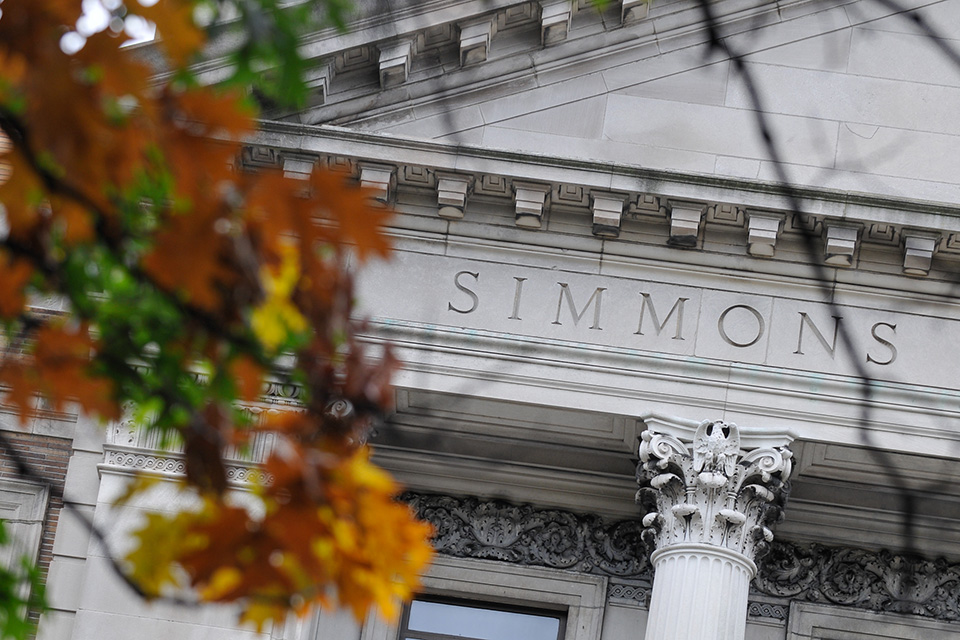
(631, 400)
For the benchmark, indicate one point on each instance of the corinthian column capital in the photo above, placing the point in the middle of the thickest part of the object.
(709, 484)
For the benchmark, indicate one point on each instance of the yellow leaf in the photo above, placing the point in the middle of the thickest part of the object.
(223, 580)
(137, 485)
(277, 317)
(160, 543)
(260, 613)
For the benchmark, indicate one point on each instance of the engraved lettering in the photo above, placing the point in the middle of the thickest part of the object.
(473, 296)
(516, 299)
(577, 316)
(805, 320)
(886, 343)
(676, 308)
(745, 343)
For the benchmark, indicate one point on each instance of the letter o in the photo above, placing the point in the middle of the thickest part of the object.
(723, 333)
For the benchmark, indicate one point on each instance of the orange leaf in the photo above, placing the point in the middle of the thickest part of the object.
(174, 19)
(21, 388)
(358, 220)
(21, 194)
(14, 275)
(248, 376)
(62, 359)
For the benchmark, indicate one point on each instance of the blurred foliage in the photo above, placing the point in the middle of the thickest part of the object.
(180, 285)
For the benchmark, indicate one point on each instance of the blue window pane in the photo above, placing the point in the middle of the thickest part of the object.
(482, 624)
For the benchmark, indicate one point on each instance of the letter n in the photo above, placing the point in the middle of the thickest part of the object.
(805, 320)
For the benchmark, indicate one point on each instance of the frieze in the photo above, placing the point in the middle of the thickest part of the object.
(146, 462)
(874, 580)
(767, 610)
(173, 464)
(527, 535)
(637, 593)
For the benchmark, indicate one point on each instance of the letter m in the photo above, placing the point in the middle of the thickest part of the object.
(578, 315)
(659, 326)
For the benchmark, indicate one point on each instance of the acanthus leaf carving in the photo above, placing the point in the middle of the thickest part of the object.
(711, 491)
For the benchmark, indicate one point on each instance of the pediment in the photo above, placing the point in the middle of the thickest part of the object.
(857, 100)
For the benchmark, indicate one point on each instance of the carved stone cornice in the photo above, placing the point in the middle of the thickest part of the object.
(874, 580)
(526, 535)
(767, 224)
(711, 491)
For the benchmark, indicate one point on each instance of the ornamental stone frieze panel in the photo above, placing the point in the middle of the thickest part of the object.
(873, 580)
(711, 492)
(523, 534)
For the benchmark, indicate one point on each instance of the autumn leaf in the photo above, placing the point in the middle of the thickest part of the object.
(277, 317)
(359, 222)
(160, 541)
(248, 376)
(175, 27)
(61, 359)
(21, 194)
(14, 274)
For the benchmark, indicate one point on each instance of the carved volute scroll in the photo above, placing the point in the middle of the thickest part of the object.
(711, 491)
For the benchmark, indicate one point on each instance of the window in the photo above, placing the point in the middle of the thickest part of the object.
(569, 603)
(22, 505)
(809, 621)
(436, 619)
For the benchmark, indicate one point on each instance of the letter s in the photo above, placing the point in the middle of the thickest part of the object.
(886, 343)
(469, 292)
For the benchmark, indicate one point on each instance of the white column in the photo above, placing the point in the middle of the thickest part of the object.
(699, 593)
(708, 506)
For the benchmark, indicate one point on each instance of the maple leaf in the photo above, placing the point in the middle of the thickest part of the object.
(14, 275)
(277, 317)
(160, 541)
(21, 194)
(175, 27)
(359, 221)
(62, 359)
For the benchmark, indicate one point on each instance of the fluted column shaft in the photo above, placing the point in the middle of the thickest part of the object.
(699, 593)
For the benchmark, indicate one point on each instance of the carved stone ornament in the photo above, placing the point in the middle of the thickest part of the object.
(711, 492)
(523, 534)
(874, 580)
